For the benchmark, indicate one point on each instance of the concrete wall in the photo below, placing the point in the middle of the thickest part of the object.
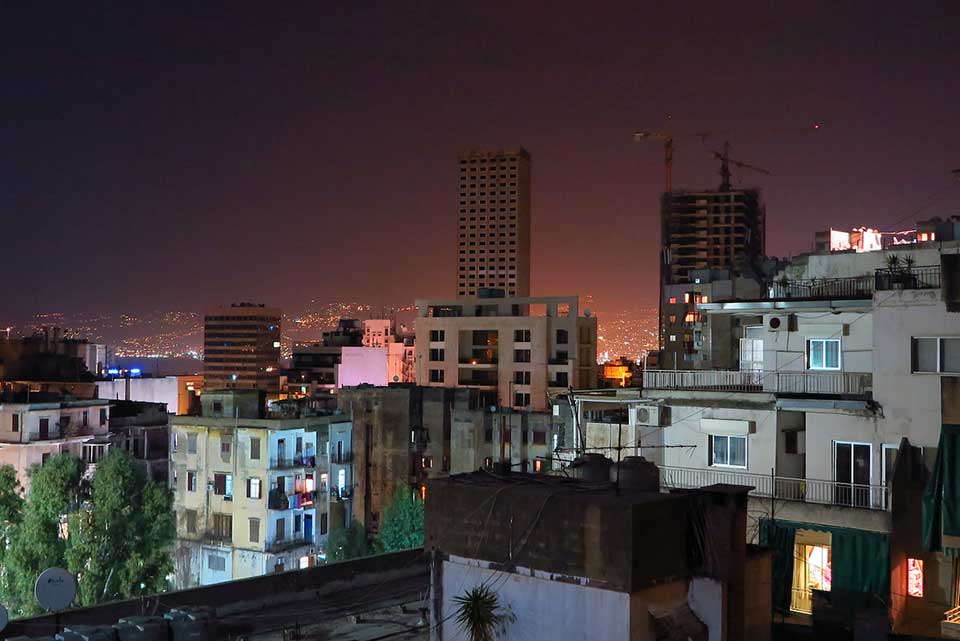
(786, 350)
(363, 365)
(153, 390)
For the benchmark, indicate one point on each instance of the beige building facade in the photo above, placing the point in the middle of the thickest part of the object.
(516, 350)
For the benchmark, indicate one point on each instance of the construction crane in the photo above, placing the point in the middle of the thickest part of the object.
(667, 139)
(726, 161)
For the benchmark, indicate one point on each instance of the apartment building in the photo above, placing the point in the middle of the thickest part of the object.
(35, 426)
(847, 362)
(241, 348)
(250, 489)
(514, 350)
(493, 240)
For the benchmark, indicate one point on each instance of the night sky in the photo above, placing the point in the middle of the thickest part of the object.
(166, 157)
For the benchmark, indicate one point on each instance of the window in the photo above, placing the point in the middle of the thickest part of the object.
(791, 442)
(16, 423)
(191, 443)
(521, 399)
(936, 355)
(281, 531)
(488, 462)
(730, 451)
(521, 378)
(426, 462)
(86, 418)
(562, 337)
(521, 336)
(222, 526)
(823, 353)
(672, 318)
(539, 438)
(436, 354)
(436, 376)
(216, 562)
(436, 335)
(562, 380)
(174, 442)
(488, 435)
(673, 300)
(915, 577)
(521, 356)
(225, 448)
(223, 485)
(323, 523)
(297, 523)
(254, 530)
(190, 516)
(103, 417)
(538, 465)
(852, 473)
(253, 488)
(255, 448)
(191, 481)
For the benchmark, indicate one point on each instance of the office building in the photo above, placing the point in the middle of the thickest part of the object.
(493, 242)
(241, 348)
(515, 350)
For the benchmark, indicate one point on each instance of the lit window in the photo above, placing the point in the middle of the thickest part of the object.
(915, 577)
(686, 297)
(423, 492)
(704, 299)
(673, 300)
(538, 465)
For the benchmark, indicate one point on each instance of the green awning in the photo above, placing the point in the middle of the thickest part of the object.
(941, 510)
(860, 562)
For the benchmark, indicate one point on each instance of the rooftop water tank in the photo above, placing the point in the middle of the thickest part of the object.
(637, 473)
(591, 467)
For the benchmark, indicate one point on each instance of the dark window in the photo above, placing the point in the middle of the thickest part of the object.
(521, 335)
(521, 378)
(191, 443)
(103, 417)
(521, 356)
(223, 526)
(539, 438)
(191, 481)
(436, 355)
(254, 530)
(297, 521)
(488, 435)
(561, 337)
(436, 334)
(191, 519)
(436, 376)
(255, 448)
(323, 523)
(790, 445)
(16, 423)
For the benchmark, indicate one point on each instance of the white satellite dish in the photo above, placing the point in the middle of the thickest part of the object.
(396, 379)
(55, 589)
(587, 312)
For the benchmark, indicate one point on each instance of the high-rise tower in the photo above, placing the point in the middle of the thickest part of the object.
(493, 237)
(241, 348)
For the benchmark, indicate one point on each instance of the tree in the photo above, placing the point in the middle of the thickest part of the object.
(119, 547)
(11, 515)
(36, 543)
(347, 543)
(402, 524)
(479, 614)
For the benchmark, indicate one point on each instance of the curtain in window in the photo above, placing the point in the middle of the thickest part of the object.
(780, 539)
(941, 511)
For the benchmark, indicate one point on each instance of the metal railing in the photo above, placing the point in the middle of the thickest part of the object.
(907, 278)
(871, 497)
(853, 287)
(838, 383)
(952, 615)
(713, 379)
(478, 360)
(287, 544)
(803, 382)
(282, 462)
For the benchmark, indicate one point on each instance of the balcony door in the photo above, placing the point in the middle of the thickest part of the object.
(852, 463)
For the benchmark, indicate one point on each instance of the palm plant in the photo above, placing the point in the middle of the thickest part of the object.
(893, 262)
(479, 614)
(908, 262)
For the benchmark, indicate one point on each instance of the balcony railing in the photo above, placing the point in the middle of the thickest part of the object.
(804, 382)
(853, 287)
(287, 544)
(344, 458)
(284, 462)
(870, 497)
(478, 360)
(907, 278)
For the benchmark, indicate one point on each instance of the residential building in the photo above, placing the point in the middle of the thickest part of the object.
(315, 368)
(241, 348)
(514, 350)
(845, 359)
(493, 243)
(249, 487)
(35, 426)
(50, 355)
(584, 558)
(619, 373)
(406, 434)
(142, 430)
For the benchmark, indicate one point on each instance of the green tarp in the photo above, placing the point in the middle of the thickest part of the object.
(941, 510)
(860, 563)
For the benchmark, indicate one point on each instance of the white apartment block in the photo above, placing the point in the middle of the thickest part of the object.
(844, 356)
(517, 350)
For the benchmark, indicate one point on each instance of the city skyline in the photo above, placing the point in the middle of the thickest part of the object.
(159, 142)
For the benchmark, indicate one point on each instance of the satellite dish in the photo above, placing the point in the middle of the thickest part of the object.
(396, 378)
(587, 312)
(55, 589)
(4, 617)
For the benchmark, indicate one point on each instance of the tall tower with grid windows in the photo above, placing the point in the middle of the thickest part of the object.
(493, 236)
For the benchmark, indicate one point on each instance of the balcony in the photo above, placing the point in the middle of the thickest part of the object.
(822, 288)
(287, 462)
(277, 500)
(907, 278)
(558, 361)
(343, 458)
(869, 497)
(478, 361)
(283, 545)
(801, 383)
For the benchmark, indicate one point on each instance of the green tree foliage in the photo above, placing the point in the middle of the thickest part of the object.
(347, 543)
(11, 515)
(401, 527)
(119, 547)
(35, 543)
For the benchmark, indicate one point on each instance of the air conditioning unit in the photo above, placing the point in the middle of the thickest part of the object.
(780, 322)
(648, 415)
